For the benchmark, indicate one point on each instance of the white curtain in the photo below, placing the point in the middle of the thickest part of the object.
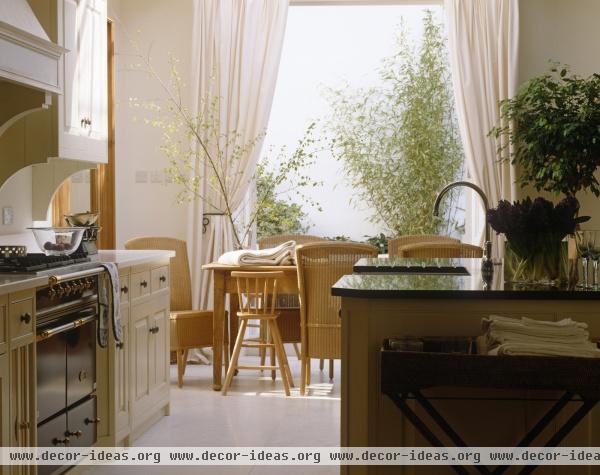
(236, 53)
(483, 44)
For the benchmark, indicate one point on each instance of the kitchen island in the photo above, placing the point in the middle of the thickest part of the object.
(380, 303)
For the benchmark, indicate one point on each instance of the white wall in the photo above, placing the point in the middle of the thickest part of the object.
(164, 28)
(16, 193)
(565, 31)
(80, 201)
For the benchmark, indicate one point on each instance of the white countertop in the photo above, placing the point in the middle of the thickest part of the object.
(16, 282)
(124, 258)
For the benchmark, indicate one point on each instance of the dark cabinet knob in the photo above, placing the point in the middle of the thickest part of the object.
(154, 330)
(26, 318)
(125, 289)
(162, 278)
(144, 284)
(120, 345)
(57, 441)
(92, 421)
(76, 433)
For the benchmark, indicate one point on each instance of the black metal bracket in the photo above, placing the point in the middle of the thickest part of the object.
(587, 404)
(206, 220)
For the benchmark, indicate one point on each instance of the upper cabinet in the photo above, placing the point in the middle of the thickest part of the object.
(82, 109)
(77, 121)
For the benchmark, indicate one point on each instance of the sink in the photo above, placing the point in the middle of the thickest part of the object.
(396, 265)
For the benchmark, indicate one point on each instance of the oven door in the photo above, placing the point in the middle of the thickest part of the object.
(81, 362)
(66, 361)
(51, 376)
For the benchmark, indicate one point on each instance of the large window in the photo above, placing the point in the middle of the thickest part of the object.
(342, 48)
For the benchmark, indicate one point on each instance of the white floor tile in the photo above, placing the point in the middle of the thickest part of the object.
(255, 412)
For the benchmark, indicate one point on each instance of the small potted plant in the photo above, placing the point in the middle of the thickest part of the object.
(535, 230)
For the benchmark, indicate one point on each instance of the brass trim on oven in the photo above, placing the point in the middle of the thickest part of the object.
(45, 334)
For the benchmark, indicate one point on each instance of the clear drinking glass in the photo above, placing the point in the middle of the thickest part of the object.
(585, 244)
(595, 256)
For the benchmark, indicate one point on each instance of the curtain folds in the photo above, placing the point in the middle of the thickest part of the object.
(483, 44)
(236, 53)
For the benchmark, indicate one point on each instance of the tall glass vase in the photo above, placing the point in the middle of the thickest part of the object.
(547, 265)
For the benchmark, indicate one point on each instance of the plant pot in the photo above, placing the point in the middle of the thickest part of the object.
(548, 265)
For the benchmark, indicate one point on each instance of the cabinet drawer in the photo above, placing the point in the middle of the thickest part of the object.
(125, 284)
(20, 315)
(160, 278)
(3, 325)
(140, 284)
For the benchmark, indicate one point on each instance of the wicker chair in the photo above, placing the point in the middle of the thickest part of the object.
(395, 244)
(277, 239)
(189, 328)
(288, 305)
(432, 249)
(320, 265)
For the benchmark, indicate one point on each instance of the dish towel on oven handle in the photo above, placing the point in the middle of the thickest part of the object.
(109, 297)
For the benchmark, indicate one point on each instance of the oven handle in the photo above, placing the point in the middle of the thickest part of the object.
(45, 334)
(55, 279)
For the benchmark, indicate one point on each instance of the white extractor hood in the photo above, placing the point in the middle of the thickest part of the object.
(27, 56)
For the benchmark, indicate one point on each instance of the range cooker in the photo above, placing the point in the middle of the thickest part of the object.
(38, 263)
(66, 329)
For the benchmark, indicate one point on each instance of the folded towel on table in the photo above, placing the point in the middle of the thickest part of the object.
(512, 336)
(502, 329)
(277, 256)
(589, 350)
(526, 325)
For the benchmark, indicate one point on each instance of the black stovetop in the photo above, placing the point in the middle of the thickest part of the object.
(39, 262)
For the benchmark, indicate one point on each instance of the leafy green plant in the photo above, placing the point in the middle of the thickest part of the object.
(202, 160)
(380, 241)
(553, 130)
(278, 177)
(399, 141)
(341, 237)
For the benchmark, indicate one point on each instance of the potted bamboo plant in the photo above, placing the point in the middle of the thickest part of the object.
(552, 131)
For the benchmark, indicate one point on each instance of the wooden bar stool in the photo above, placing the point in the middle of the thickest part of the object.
(257, 294)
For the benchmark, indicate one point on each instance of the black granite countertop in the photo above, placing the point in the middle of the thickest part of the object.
(397, 278)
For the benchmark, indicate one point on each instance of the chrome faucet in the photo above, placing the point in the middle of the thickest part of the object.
(487, 250)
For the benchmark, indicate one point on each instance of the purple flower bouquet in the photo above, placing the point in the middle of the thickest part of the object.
(535, 230)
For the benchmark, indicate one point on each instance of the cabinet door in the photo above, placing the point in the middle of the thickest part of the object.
(140, 336)
(122, 379)
(3, 324)
(83, 115)
(159, 351)
(4, 406)
(22, 401)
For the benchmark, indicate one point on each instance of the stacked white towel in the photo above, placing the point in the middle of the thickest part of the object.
(276, 256)
(512, 336)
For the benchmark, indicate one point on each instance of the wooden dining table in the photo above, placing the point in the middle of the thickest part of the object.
(224, 284)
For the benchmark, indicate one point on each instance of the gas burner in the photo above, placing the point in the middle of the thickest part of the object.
(39, 262)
